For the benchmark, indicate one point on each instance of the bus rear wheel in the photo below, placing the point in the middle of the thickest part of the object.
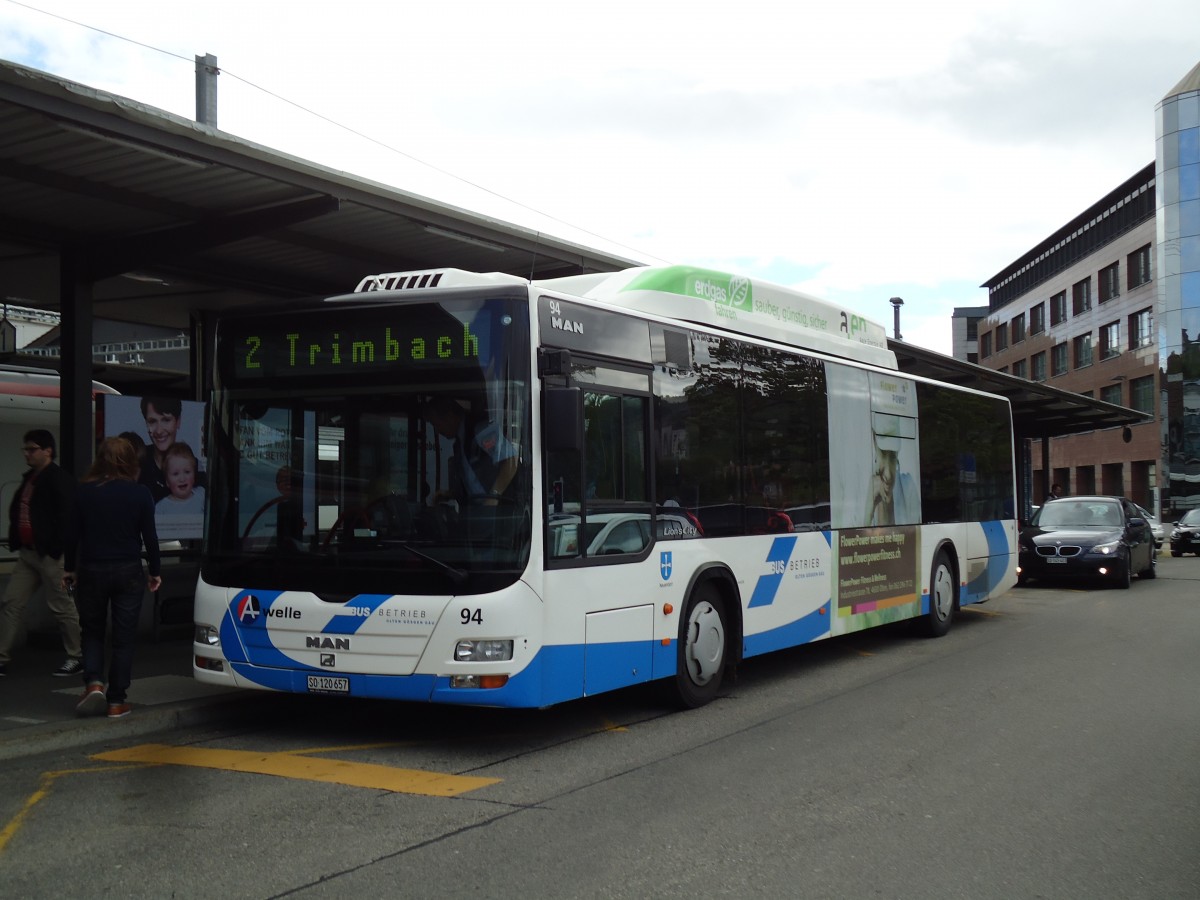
(943, 592)
(703, 639)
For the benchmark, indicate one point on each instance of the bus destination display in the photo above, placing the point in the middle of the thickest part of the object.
(306, 346)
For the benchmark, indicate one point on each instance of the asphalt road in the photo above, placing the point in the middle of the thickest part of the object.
(1047, 747)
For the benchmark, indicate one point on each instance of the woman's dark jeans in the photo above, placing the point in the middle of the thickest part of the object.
(121, 585)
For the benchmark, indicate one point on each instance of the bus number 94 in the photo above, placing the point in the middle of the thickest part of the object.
(470, 616)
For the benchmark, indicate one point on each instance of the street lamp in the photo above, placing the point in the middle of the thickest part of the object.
(896, 304)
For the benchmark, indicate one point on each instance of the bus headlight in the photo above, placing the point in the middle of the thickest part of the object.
(483, 651)
(207, 634)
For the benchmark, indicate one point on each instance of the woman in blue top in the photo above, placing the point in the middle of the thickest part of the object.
(114, 520)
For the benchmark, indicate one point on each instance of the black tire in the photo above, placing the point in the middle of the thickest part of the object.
(1151, 571)
(943, 597)
(702, 646)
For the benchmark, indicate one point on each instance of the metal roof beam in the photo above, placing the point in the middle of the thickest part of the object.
(107, 258)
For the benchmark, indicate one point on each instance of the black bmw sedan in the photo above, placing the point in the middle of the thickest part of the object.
(1185, 538)
(1087, 537)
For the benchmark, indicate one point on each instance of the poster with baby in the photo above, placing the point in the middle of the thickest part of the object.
(167, 434)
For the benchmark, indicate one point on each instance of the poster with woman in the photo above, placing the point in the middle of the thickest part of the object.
(168, 435)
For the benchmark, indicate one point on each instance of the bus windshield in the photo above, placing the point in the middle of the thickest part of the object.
(376, 445)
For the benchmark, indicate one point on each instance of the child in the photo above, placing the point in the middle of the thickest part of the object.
(179, 472)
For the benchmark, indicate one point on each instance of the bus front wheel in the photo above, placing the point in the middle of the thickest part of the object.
(703, 638)
(942, 594)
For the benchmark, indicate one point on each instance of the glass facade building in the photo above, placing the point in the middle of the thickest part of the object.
(1177, 174)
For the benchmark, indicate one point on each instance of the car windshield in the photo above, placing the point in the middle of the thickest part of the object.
(1082, 513)
(1191, 517)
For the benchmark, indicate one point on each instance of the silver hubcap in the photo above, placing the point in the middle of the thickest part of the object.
(942, 593)
(705, 643)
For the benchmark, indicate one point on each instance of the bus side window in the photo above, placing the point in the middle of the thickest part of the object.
(598, 499)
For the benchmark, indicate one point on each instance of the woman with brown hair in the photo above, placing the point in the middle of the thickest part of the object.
(114, 520)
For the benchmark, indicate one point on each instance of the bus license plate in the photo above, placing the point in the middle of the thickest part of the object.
(328, 684)
(1052, 560)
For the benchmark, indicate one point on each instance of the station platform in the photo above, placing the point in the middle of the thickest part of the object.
(37, 708)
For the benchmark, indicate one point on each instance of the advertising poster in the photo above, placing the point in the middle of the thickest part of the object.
(876, 499)
(877, 569)
(168, 435)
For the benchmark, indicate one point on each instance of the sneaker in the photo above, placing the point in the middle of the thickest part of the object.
(93, 701)
(70, 666)
(118, 710)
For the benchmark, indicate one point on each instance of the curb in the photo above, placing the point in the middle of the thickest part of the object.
(81, 732)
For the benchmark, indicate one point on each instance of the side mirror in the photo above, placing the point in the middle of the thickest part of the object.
(562, 424)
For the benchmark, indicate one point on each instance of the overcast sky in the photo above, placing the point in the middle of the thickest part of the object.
(874, 150)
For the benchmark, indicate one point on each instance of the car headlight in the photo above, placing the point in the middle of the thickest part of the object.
(207, 634)
(1107, 547)
(483, 651)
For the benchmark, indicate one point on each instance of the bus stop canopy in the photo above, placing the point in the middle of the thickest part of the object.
(1039, 410)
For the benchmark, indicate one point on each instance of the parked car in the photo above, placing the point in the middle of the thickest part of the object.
(1087, 537)
(611, 533)
(1185, 538)
(1155, 526)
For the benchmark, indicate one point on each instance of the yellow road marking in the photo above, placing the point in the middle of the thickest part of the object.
(305, 768)
(43, 790)
(19, 819)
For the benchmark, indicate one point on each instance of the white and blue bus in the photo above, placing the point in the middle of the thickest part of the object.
(651, 474)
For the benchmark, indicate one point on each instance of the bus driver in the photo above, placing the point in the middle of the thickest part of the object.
(485, 461)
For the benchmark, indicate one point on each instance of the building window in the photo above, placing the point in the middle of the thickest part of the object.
(1141, 394)
(1110, 340)
(972, 329)
(1110, 282)
(1018, 328)
(985, 345)
(1111, 393)
(1019, 369)
(1137, 267)
(1058, 359)
(1002, 337)
(1037, 319)
(1081, 297)
(1058, 308)
(1038, 364)
(1083, 350)
(1141, 329)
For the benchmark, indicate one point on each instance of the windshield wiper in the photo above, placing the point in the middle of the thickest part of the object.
(457, 576)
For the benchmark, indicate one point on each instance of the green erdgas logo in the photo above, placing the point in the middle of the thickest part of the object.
(702, 287)
(739, 292)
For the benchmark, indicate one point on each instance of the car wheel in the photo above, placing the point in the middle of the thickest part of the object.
(1177, 553)
(700, 664)
(942, 593)
(1151, 571)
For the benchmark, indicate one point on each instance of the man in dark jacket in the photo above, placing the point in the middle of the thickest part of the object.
(38, 518)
